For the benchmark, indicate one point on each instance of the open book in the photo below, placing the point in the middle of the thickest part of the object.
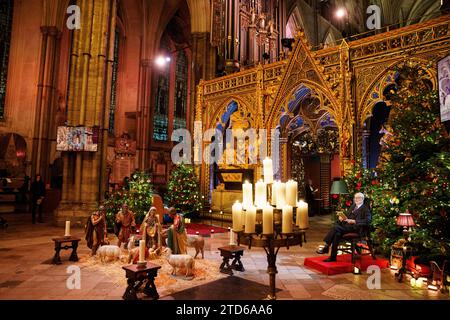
(342, 215)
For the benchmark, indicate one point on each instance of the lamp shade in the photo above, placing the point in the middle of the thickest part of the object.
(339, 187)
(405, 220)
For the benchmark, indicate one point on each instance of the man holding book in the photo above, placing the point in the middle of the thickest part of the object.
(357, 216)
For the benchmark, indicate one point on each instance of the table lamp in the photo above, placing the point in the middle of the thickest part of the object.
(337, 188)
(406, 221)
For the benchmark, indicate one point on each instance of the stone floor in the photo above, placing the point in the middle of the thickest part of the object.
(26, 272)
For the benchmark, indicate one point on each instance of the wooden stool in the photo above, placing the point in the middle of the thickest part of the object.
(137, 276)
(59, 245)
(231, 252)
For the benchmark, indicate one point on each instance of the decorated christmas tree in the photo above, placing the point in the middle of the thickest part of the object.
(138, 195)
(414, 169)
(183, 190)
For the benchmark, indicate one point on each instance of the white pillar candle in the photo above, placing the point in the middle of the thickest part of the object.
(141, 251)
(281, 196)
(232, 243)
(247, 193)
(237, 217)
(419, 283)
(250, 219)
(291, 193)
(268, 170)
(67, 233)
(302, 215)
(287, 219)
(268, 219)
(260, 194)
(275, 186)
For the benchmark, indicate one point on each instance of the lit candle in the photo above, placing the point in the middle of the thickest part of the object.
(67, 229)
(291, 193)
(268, 170)
(413, 282)
(281, 196)
(141, 251)
(419, 283)
(260, 194)
(302, 215)
(275, 186)
(237, 217)
(268, 219)
(250, 219)
(286, 226)
(247, 191)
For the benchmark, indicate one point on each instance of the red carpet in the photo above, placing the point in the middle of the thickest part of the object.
(343, 264)
(203, 229)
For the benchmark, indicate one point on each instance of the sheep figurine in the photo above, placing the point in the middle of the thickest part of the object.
(109, 253)
(197, 242)
(180, 261)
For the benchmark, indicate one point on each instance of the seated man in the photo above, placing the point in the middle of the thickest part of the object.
(357, 216)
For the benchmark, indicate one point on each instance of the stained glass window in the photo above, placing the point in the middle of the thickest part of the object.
(115, 69)
(6, 15)
(181, 83)
(161, 112)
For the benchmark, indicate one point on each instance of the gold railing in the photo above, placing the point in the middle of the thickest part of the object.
(417, 35)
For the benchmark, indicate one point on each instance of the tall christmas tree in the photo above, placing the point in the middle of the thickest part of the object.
(414, 169)
(137, 194)
(183, 190)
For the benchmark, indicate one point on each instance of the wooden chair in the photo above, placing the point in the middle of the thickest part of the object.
(439, 275)
(353, 243)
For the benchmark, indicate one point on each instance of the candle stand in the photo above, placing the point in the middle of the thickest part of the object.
(272, 243)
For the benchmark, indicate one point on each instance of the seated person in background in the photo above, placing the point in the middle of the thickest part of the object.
(357, 216)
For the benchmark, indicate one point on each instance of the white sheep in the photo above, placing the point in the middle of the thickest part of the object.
(180, 261)
(197, 242)
(109, 253)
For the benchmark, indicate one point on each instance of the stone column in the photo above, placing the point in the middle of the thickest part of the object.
(45, 104)
(143, 116)
(90, 80)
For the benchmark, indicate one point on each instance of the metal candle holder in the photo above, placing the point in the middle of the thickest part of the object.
(272, 243)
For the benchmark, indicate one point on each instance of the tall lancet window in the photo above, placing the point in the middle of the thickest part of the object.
(115, 69)
(6, 16)
(161, 112)
(181, 91)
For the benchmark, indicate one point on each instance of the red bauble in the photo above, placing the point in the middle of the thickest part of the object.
(335, 196)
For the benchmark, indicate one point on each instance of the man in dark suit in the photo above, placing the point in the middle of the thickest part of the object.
(357, 216)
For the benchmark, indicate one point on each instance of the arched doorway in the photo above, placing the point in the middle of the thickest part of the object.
(312, 147)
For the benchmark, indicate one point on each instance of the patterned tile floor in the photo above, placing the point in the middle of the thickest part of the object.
(26, 273)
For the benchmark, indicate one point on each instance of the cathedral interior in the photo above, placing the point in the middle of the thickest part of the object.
(106, 86)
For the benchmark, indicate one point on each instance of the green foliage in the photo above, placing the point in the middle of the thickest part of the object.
(138, 195)
(413, 173)
(184, 190)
